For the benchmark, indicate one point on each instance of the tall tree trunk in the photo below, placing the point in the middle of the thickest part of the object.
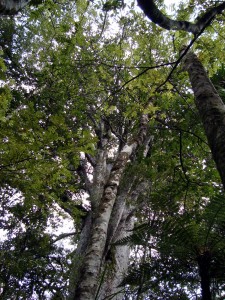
(211, 110)
(204, 260)
(118, 254)
(11, 7)
(117, 259)
(110, 219)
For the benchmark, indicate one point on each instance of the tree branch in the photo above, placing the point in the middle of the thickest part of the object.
(156, 16)
(63, 236)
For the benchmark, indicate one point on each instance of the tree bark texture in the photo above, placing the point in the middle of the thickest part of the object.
(117, 259)
(156, 16)
(78, 258)
(111, 219)
(211, 110)
(11, 7)
(119, 254)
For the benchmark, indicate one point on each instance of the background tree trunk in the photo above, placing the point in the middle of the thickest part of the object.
(204, 261)
(211, 110)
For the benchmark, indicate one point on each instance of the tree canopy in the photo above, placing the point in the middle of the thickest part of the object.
(112, 150)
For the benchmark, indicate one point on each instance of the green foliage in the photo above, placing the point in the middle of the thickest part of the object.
(29, 258)
(5, 98)
(110, 5)
(2, 69)
(66, 69)
(218, 81)
(173, 245)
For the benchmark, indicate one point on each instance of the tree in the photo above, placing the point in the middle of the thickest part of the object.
(12, 7)
(186, 246)
(211, 109)
(92, 113)
(50, 120)
(209, 104)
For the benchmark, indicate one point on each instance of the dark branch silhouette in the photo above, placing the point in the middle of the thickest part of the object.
(156, 16)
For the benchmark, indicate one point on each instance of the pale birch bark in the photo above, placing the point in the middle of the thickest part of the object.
(99, 178)
(211, 110)
(94, 254)
(117, 260)
(11, 7)
(95, 190)
(119, 254)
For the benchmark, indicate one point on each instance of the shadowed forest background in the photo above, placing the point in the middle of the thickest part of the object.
(112, 150)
